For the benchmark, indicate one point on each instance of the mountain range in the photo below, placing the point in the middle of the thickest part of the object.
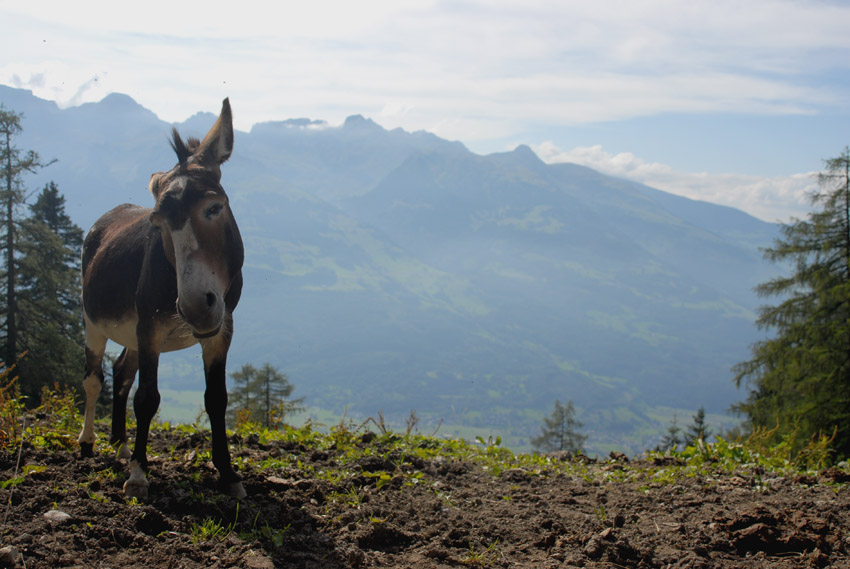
(389, 271)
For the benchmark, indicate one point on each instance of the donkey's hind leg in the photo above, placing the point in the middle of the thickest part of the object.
(95, 347)
(123, 375)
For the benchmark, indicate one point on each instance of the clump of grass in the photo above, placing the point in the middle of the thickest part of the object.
(211, 529)
(482, 557)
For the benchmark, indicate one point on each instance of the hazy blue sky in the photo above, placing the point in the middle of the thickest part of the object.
(735, 102)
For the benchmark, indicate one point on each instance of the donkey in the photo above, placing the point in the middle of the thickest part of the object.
(159, 280)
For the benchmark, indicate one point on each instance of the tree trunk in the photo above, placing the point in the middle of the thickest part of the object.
(12, 329)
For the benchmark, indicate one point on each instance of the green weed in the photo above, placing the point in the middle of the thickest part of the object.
(265, 533)
(351, 498)
(98, 497)
(12, 482)
(210, 529)
(485, 558)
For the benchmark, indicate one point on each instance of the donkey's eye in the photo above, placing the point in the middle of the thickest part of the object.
(213, 210)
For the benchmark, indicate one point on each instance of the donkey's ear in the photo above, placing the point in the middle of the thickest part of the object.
(217, 145)
(155, 185)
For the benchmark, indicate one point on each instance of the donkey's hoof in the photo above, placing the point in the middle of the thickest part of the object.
(235, 489)
(137, 489)
(137, 485)
(123, 452)
(87, 450)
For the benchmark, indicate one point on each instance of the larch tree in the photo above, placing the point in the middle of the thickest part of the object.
(15, 163)
(799, 380)
(672, 438)
(698, 430)
(561, 431)
(261, 396)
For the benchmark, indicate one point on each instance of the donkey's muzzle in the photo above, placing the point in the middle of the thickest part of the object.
(203, 312)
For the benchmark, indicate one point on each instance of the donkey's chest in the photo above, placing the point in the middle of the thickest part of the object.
(164, 334)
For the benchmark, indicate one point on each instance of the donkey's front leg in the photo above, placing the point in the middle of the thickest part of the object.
(145, 404)
(215, 399)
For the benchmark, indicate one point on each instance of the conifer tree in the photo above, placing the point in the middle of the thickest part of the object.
(698, 430)
(673, 438)
(40, 279)
(241, 398)
(560, 431)
(799, 380)
(261, 395)
(48, 305)
(14, 163)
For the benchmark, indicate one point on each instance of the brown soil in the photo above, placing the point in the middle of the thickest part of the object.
(453, 514)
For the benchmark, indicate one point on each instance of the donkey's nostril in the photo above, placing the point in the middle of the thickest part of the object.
(210, 299)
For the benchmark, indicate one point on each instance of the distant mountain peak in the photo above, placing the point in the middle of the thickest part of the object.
(201, 115)
(117, 104)
(525, 152)
(197, 123)
(358, 122)
(522, 155)
(116, 100)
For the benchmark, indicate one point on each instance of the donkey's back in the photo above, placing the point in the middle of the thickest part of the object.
(113, 254)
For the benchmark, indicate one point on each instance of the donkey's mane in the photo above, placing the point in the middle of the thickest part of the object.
(183, 149)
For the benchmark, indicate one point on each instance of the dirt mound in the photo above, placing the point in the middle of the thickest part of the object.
(371, 503)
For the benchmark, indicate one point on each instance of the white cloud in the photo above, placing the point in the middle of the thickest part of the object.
(562, 62)
(35, 81)
(477, 71)
(768, 198)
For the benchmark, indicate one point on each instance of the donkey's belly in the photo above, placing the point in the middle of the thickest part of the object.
(121, 332)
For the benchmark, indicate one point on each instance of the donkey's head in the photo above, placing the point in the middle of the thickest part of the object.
(199, 233)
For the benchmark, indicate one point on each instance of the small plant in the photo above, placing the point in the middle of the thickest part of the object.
(351, 498)
(601, 514)
(263, 533)
(209, 530)
(490, 442)
(382, 478)
(98, 497)
(273, 536)
(11, 482)
(105, 475)
(485, 558)
(382, 426)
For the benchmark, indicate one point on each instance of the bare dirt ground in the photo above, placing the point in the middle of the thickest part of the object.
(315, 508)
